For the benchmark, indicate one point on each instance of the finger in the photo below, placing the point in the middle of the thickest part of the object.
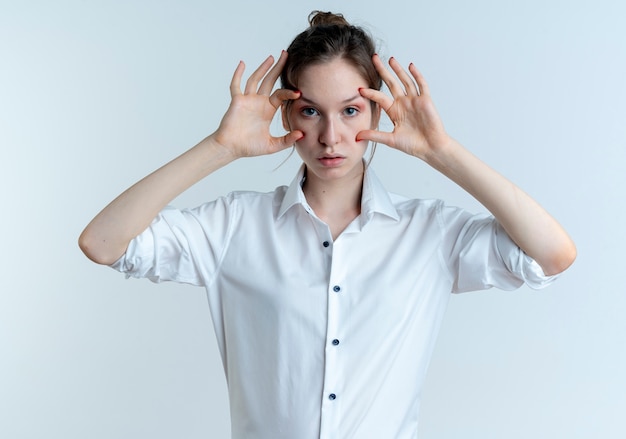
(253, 80)
(383, 100)
(407, 81)
(419, 79)
(393, 85)
(235, 83)
(282, 95)
(375, 136)
(270, 79)
(287, 140)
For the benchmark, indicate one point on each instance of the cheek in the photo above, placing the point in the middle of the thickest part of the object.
(306, 126)
(297, 121)
(303, 149)
(301, 143)
(307, 142)
(362, 125)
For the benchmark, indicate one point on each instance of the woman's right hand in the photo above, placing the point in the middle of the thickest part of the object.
(245, 128)
(243, 132)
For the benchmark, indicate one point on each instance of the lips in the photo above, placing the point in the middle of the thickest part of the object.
(331, 161)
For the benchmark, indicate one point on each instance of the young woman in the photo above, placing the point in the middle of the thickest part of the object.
(327, 294)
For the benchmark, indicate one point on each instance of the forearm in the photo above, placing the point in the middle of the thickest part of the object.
(535, 231)
(106, 237)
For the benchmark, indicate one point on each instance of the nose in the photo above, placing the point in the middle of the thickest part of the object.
(329, 135)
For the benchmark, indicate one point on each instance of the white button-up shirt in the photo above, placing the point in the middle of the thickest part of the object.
(323, 338)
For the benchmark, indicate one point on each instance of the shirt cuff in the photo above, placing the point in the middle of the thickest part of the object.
(520, 263)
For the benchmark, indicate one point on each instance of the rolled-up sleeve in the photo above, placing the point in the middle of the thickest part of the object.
(180, 245)
(481, 255)
(523, 266)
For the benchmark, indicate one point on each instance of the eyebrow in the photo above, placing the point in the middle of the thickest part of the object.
(345, 101)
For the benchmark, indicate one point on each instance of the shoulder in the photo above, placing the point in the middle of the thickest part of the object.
(245, 198)
(408, 206)
(436, 211)
(252, 197)
(237, 203)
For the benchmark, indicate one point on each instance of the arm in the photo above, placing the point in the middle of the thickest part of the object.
(418, 131)
(243, 132)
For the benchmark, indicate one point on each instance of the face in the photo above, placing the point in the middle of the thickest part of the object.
(330, 113)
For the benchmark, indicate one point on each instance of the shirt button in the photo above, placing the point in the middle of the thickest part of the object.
(335, 342)
(336, 288)
(332, 396)
(325, 243)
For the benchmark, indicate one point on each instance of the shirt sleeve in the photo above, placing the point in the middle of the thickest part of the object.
(185, 246)
(481, 255)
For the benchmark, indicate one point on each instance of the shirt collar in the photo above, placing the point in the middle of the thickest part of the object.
(294, 194)
(375, 198)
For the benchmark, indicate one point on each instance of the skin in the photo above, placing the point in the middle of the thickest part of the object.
(418, 131)
(331, 112)
(331, 141)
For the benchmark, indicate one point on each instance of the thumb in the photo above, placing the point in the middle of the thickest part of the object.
(375, 136)
(288, 139)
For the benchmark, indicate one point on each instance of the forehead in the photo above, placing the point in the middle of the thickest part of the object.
(335, 80)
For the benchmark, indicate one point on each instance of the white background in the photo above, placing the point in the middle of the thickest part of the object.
(96, 94)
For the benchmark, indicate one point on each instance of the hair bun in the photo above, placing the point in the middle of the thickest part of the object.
(319, 18)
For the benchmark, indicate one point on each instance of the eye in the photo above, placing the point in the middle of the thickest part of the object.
(351, 111)
(308, 111)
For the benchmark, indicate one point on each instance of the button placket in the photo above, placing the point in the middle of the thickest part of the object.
(334, 373)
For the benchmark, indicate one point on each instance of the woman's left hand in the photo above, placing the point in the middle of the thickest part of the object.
(418, 129)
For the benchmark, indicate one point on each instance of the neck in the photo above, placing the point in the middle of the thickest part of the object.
(336, 202)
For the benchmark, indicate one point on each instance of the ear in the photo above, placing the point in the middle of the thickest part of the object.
(284, 109)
